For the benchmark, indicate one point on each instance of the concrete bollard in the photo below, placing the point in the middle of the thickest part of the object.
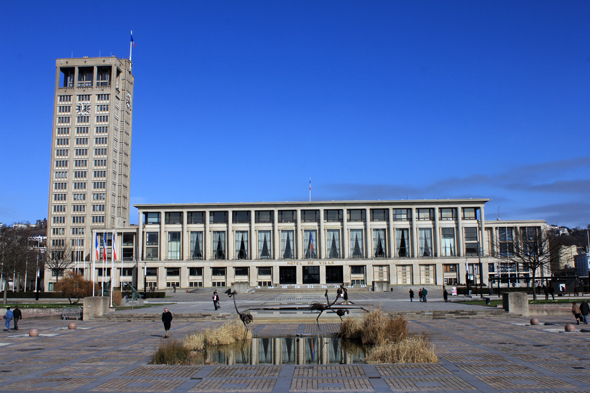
(33, 333)
(570, 328)
(71, 325)
(534, 321)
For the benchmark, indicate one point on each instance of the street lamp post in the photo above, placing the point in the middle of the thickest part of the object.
(145, 279)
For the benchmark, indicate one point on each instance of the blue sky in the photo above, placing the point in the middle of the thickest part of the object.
(246, 100)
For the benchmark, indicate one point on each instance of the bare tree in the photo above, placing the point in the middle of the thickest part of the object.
(529, 248)
(15, 251)
(58, 259)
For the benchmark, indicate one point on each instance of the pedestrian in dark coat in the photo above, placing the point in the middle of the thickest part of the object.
(411, 295)
(216, 300)
(345, 295)
(552, 292)
(445, 295)
(420, 294)
(546, 292)
(585, 309)
(424, 293)
(17, 315)
(167, 319)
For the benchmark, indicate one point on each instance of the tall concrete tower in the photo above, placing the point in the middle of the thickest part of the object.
(90, 154)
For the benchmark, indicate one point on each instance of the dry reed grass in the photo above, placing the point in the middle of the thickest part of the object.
(172, 352)
(413, 349)
(229, 333)
(375, 328)
(388, 339)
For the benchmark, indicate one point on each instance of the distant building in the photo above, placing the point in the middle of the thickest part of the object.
(566, 256)
(582, 262)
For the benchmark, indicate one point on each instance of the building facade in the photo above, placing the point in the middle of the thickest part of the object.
(90, 154)
(365, 243)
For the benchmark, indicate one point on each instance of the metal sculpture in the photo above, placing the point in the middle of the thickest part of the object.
(245, 317)
(135, 295)
(321, 307)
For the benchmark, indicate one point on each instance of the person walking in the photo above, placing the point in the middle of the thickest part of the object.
(424, 293)
(411, 295)
(420, 295)
(167, 319)
(345, 295)
(17, 315)
(445, 295)
(552, 291)
(585, 310)
(546, 292)
(216, 300)
(577, 312)
(8, 316)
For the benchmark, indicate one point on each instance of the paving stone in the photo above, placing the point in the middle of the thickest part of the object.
(167, 371)
(428, 383)
(242, 371)
(47, 384)
(329, 371)
(522, 382)
(139, 385)
(411, 369)
(235, 385)
(331, 384)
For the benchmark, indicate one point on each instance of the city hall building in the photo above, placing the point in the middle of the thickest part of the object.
(299, 244)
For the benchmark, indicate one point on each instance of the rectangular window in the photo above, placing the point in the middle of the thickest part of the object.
(196, 245)
(264, 245)
(425, 239)
(379, 215)
(310, 240)
(151, 271)
(218, 271)
(79, 197)
(357, 270)
(219, 245)
(357, 243)
(173, 245)
(448, 214)
(195, 271)
(471, 246)
(356, 215)
(287, 215)
(241, 271)
(241, 217)
(379, 243)
(425, 214)
(218, 217)
(506, 241)
(333, 243)
(402, 214)
(152, 218)
(196, 218)
(174, 218)
(287, 242)
(451, 268)
(264, 216)
(152, 238)
(264, 271)
(310, 215)
(241, 245)
(447, 244)
(172, 271)
(469, 213)
(333, 215)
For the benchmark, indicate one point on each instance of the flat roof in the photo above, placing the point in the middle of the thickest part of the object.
(402, 202)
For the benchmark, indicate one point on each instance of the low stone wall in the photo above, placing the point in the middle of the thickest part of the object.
(551, 309)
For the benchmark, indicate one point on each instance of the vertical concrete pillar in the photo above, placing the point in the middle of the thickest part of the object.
(230, 246)
(207, 275)
(390, 233)
(299, 236)
(369, 237)
(163, 242)
(321, 237)
(344, 236)
(276, 237)
(414, 235)
(436, 234)
(162, 280)
(253, 251)
(207, 236)
(459, 234)
(185, 241)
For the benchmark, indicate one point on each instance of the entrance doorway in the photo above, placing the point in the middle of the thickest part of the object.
(311, 274)
(334, 275)
(288, 275)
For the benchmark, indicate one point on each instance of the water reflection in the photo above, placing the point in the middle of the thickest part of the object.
(285, 350)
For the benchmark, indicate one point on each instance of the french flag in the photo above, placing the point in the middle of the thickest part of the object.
(96, 246)
(132, 42)
(104, 246)
(114, 246)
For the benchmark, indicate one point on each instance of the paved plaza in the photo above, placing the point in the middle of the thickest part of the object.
(481, 354)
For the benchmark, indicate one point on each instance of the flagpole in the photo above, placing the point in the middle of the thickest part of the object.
(93, 266)
(131, 47)
(310, 189)
(112, 271)
(104, 268)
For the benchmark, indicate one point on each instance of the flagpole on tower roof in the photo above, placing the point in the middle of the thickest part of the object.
(310, 189)
(131, 46)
